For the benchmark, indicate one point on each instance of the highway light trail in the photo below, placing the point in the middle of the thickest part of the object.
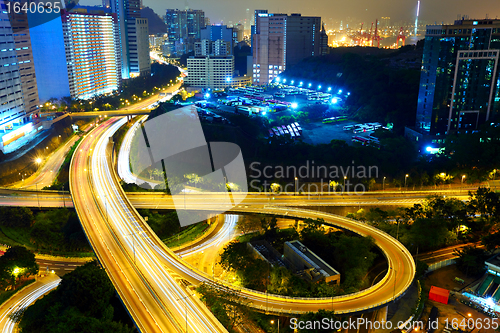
(225, 234)
(139, 245)
(10, 325)
(400, 275)
(154, 288)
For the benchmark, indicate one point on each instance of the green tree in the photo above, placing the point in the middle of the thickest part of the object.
(470, 260)
(307, 319)
(17, 262)
(16, 217)
(235, 256)
(491, 241)
(226, 304)
(81, 304)
(249, 223)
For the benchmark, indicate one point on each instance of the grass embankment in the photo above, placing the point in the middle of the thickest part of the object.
(14, 236)
(120, 134)
(187, 235)
(4, 296)
(55, 232)
(62, 179)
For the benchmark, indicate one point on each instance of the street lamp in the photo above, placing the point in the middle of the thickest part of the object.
(383, 184)
(463, 177)
(272, 322)
(406, 177)
(296, 185)
(38, 161)
(345, 177)
(185, 302)
(133, 241)
(395, 273)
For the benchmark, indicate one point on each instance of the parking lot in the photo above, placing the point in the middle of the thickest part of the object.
(317, 133)
(279, 101)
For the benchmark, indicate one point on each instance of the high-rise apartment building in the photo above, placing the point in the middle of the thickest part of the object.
(18, 85)
(218, 32)
(459, 82)
(212, 66)
(281, 41)
(323, 43)
(77, 54)
(206, 47)
(138, 47)
(184, 26)
(238, 33)
(133, 37)
(214, 72)
(92, 54)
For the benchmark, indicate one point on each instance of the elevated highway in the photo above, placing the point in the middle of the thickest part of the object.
(103, 193)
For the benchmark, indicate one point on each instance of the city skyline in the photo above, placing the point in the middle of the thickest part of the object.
(364, 10)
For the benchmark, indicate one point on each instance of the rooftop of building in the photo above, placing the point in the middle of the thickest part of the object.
(469, 23)
(311, 257)
(495, 260)
(90, 9)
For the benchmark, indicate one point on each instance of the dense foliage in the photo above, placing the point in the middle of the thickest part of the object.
(164, 225)
(225, 303)
(351, 255)
(84, 302)
(17, 262)
(471, 260)
(440, 221)
(52, 230)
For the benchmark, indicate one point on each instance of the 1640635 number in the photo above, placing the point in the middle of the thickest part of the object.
(24, 7)
(468, 324)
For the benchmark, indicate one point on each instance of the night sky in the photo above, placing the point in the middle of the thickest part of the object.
(431, 11)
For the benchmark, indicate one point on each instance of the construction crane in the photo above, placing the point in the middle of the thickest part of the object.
(401, 37)
(375, 36)
(369, 39)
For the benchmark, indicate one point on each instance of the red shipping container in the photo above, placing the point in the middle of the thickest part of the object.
(439, 295)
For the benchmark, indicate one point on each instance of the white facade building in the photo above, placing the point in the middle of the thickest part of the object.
(214, 72)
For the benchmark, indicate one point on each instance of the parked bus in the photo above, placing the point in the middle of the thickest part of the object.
(360, 139)
(334, 119)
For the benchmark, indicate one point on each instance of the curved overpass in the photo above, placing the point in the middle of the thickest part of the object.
(153, 297)
(118, 234)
